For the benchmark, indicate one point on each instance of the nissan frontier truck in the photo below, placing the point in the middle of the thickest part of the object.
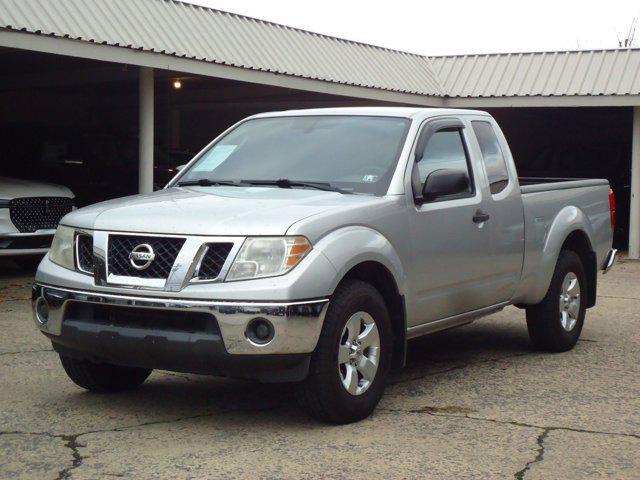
(309, 246)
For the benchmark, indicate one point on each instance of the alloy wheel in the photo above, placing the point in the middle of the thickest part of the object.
(359, 353)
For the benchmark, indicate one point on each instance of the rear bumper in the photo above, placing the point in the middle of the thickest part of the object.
(609, 260)
(181, 335)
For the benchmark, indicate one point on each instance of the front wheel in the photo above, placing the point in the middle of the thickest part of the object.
(103, 377)
(556, 322)
(352, 359)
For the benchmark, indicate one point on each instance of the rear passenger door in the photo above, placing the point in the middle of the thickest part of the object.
(504, 205)
(450, 267)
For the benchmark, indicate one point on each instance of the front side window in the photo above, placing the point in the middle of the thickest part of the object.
(444, 150)
(494, 162)
(353, 153)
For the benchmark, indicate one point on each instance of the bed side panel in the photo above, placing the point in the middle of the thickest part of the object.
(550, 216)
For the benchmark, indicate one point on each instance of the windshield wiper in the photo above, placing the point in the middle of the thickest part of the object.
(205, 182)
(286, 183)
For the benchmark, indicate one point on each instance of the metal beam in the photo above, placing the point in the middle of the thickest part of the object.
(634, 215)
(69, 77)
(161, 61)
(146, 120)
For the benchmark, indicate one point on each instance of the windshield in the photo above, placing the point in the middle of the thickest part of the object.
(352, 153)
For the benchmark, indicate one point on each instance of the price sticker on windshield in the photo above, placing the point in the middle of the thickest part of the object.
(214, 158)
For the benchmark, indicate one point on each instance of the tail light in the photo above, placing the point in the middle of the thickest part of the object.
(612, 209)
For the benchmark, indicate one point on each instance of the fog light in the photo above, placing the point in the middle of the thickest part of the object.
(42, 310)
(260, 331)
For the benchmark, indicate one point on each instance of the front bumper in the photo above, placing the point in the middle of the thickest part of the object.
(92, 322)
(14, 244)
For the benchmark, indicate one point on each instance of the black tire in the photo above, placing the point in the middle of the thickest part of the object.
(103, 377)
(544, 319)
(322, 394)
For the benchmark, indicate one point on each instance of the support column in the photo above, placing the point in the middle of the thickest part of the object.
(634, 216)
(146, 121)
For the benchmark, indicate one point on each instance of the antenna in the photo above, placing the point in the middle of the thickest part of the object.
(628, 41)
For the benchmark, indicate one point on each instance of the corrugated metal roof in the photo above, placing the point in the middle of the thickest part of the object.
(181, 29)
(592, 72)
(175, 28)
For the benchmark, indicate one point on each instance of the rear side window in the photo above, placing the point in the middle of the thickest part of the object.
(444, 150)
(494, 161)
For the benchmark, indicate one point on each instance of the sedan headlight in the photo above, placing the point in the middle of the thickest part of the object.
(261, 257)
(61, 251)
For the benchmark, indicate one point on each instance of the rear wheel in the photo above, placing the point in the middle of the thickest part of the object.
(103, 377)
(352, 359)
(556, 322)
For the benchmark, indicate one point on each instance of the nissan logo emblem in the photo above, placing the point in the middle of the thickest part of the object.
(142, 256)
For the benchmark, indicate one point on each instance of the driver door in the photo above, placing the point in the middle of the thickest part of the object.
(451, 244)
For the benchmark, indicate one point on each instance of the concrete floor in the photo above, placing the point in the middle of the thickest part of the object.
(472, 402)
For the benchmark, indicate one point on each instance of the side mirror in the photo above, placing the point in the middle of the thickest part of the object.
(180, 167)
(444, 182)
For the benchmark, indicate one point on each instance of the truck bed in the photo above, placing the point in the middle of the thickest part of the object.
(551, 202)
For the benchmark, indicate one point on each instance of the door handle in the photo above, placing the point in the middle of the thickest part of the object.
(480, 216)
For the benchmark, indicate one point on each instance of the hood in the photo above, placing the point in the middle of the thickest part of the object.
(222, 211)
(11, 188)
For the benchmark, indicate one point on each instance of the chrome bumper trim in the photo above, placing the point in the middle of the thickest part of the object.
(38, 233)
(610, 260)
(297, 324)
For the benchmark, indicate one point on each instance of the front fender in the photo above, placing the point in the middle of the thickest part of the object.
(349, 246)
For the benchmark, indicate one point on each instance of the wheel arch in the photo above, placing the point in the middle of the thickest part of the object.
(578, 242)
(363, 253)
(379, 276)
(569, 230)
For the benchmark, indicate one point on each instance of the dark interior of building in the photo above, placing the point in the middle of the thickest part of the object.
(75, 122)
(576, 143)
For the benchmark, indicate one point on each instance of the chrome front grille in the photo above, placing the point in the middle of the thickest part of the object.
(29, 214)
(84, 253)
(165, 251)
(213, 260)
(153, 261)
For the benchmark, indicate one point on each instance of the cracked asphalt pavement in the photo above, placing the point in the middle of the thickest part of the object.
(474, 402)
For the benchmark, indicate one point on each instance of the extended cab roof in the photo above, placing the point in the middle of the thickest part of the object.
(407, 112)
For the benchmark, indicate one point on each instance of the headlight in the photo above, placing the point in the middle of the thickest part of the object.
(267, 257)
(61, 251)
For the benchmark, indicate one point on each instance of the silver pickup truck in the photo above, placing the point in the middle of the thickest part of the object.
(309, 246)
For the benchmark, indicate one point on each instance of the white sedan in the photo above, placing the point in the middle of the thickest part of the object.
(29, 214)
